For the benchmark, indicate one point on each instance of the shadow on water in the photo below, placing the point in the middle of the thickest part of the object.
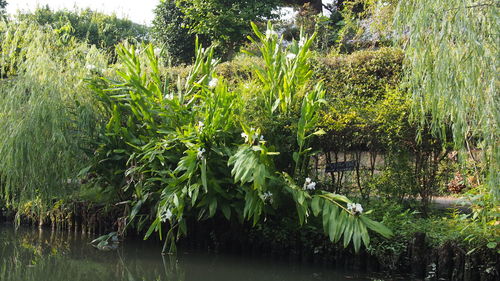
(32, 255)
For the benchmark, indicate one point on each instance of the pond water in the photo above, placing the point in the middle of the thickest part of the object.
(32, 255)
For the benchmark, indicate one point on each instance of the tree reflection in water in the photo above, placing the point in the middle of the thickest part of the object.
(30, 254)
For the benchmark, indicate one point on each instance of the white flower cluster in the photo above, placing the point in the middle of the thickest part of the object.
(90, 67)
(302, 41)
(255, 136)
(271, 33)
(291, 56)
(200, 155)
(200, 126)
(309, 184)
(267, 196)
(166, 216)
(213, 83)
(355, 208)
(157, 52)
(169, 96)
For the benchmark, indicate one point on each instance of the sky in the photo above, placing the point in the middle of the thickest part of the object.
(139, 11)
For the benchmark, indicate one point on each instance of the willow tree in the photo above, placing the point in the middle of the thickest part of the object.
(46, 113)
(452, 70)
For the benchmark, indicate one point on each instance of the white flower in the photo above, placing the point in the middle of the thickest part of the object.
(213, 83)
(359, 208)
(302, 41)
(169, 96)
(157, 51)
(137, 52)
(271, 33)
(214, 61)
(90, 67)
(350, 206)
(200, 126)
(244, 135)
(261, 138)
(167, 215)
(291, 56)
(267, 196)
(200, 153)
(355, 208)
(309, 184)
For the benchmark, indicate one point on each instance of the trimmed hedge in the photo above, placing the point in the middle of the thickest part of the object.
(364, 73)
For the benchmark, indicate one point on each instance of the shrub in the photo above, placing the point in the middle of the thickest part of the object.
(103, 31)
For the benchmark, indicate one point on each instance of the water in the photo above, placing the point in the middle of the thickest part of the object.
(33, 255)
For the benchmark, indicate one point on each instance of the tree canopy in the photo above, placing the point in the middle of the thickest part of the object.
(104, 31)
(223, 22)
(452, 56)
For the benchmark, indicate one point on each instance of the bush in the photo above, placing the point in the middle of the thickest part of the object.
(363, 74)
(103, 31)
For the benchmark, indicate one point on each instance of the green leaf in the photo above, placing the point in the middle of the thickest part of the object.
(212, 207)
(320, 132)
(491, 245)
(226, 210)
(356, 236)
(153, 227)
(204, 173)
(376, 226)
(315, 205)
(349, 230)
(333, 223)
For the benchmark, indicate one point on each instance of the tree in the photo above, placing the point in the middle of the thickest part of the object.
(102, 30)
(223, 22)
(316, 5)
(3, 4)
(171, 30)
(452, 60)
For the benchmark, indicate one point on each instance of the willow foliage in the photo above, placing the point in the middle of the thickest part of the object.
(452, 65)
(46, 114)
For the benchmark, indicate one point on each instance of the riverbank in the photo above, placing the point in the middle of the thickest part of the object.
(437, 247)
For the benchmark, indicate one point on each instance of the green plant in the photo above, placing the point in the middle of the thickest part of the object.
(226, 29)
(170, 29)
(457, 38)
(186, 157)
(48, 117)
(103, 31)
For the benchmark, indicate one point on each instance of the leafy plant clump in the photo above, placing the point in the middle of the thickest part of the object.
(185, 149)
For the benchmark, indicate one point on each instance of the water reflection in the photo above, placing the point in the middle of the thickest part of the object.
(29, 255)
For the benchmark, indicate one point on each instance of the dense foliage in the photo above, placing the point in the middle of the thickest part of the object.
(47, 112)
(160, 148)
(3, 4)
(103, 31)
(187, 152)
(170, 29)
(453, 72)
(222, 23)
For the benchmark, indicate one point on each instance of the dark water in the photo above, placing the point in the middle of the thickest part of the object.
(32, 255)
